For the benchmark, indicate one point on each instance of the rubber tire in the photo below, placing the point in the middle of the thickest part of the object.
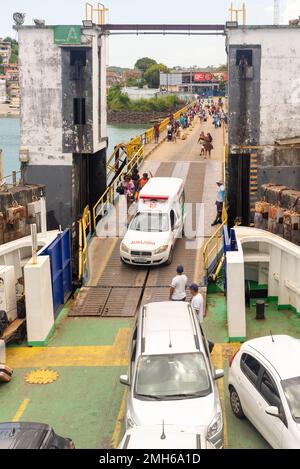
(235, 403)
(171, 255)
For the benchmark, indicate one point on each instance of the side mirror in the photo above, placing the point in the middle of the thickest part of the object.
(124, 379)
(273, 411)
(218, 374)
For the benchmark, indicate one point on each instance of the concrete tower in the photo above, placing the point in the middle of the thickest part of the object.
(63, 116)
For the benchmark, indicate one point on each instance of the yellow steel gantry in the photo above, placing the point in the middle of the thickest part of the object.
(100, 10)
(236, 12)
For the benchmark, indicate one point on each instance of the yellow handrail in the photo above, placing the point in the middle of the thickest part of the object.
(80, 249)
(134, 151)
(131, 147)
(85, 229)
(213, 247)
(112, 164)
(110, 194)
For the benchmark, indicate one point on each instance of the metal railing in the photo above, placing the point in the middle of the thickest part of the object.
(113, 163)
(214, 248)
(14, 180)
(85, 230)
(130, 148)
(134, 153)
(213, 251)
(100, 10)
(108, 198)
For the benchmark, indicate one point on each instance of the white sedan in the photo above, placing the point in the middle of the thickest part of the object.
(264, 386)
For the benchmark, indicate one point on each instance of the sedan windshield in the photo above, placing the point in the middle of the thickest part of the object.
(150, 222)
(167, 377)
(291, 388)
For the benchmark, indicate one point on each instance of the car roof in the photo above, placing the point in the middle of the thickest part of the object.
(168, 328)
(281, 353)
(22, 435)
(162, 186)
(150, 438)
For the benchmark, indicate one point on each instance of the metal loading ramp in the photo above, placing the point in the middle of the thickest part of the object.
(106, 302)
(117, 274)
(121, 288)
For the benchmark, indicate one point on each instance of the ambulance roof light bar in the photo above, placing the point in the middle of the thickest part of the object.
(154, 197)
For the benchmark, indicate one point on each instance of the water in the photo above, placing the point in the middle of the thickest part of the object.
(10, 143)
(122, 133)
(10, 139)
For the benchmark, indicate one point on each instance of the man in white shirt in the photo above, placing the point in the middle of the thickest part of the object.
(219, 203)
(197, 302)
(178, 286)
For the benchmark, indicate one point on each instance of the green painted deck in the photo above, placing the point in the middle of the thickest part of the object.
(86, 402)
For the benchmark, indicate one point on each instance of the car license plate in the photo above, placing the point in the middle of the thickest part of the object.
(141, 260)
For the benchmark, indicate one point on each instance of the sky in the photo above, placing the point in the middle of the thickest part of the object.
(170, 50)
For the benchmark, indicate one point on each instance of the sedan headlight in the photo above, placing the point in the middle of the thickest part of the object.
(215, 426)
(161, 249)
(124, 248)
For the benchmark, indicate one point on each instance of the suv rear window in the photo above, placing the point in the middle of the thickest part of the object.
(250, 367)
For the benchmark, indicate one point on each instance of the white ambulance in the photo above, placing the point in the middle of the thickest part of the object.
(159, 221)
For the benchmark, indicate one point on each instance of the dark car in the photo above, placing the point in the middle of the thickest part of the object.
(23, 435)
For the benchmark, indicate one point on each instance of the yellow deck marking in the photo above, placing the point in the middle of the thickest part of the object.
(21, 410)
(106, 259)
(38, 357)
(119, 422)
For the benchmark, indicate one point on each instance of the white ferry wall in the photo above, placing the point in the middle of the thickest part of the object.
(277, 264)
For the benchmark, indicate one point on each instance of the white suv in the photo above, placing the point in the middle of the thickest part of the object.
(164, 437)
(171, 377)
(264, 386)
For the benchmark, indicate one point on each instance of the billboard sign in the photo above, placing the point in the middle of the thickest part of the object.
(209, 77)
(67, 35)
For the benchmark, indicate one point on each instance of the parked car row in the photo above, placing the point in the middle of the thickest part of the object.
(172, 382)
(173, 400)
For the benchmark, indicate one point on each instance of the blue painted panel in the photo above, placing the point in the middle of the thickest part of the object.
(59, 252)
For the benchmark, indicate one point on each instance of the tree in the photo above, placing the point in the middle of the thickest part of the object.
(13, 59)
(132, 82)
(1, 66)
(117, 100)
(15, 48)
(222, 86)
(152, 74)
(144, 63)
(221, 68)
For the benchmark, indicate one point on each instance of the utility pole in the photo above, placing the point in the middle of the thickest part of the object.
(276, 12)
